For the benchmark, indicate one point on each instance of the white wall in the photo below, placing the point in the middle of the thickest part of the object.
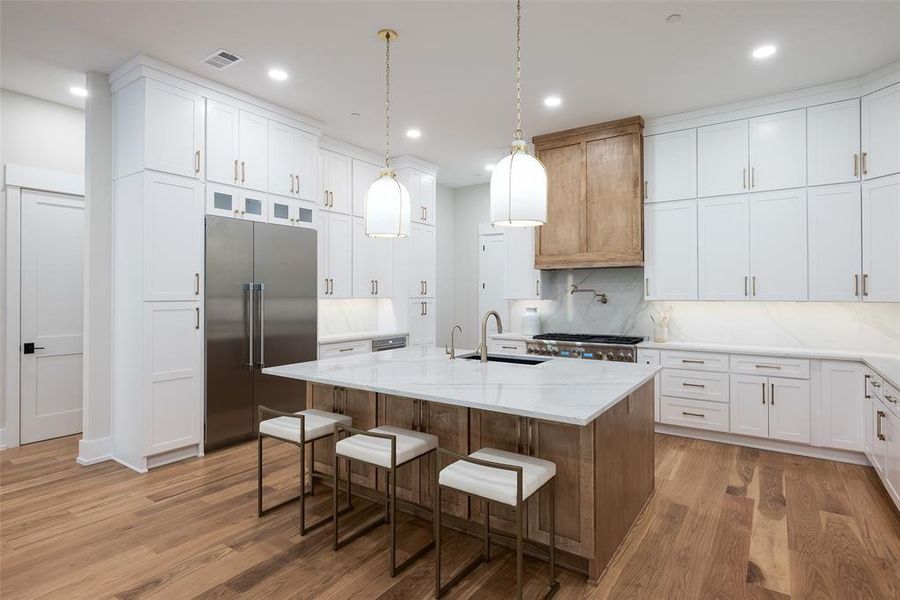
(471, 207)
(35, 133)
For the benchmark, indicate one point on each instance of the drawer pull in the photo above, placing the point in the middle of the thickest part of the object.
(768, 367)
(345, 350)
(694, 361)
(509, 347)
(696, 385)
(691, 414)
(879, 434)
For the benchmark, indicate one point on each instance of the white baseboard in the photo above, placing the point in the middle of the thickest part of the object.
(91, 452)
(856, 458)
(122, 462)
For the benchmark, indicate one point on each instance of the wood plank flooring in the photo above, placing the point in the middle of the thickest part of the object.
(725, 522)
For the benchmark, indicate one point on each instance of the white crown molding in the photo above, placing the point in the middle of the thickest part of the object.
(407, 161)
(352, 150)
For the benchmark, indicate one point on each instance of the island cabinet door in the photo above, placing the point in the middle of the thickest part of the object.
(503, 432)
(360, 406)
(322, 397)
(571, 449)
(451, 425)
(402, 412)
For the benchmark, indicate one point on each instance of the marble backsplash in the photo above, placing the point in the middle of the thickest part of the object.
(824, 325)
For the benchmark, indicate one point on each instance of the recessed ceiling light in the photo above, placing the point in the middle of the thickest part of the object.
(78, 91)
(552, 101)
(278, 74)
(673, 18)
(489, 167)
(764, 51)
(413, 134)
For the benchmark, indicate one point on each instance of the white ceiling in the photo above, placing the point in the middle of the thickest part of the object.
(453, 64)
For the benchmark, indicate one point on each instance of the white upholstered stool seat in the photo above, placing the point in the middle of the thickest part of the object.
(377, 451)
(498, 485)
(319, 423)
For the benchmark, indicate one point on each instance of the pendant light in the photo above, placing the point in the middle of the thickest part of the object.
(519, 181)
(387, 200)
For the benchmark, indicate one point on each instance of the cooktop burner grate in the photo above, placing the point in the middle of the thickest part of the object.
(589, 338)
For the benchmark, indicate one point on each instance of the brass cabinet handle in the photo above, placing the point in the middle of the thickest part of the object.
(746, 292)
(243, 171)
(694, 385)
(292, 182)
(865, 284)
(763, 384)
(298, 184)
(196, 284)
(855, 164)
(767, 366)
(197, 324)
(772, 395)
(752, 177)
(426, 286)
(345, 349)
(692, 414)
(695, 361)
(865, 163)
(197, 161)
(856, 284)
(744, 179)
(753, 286)
(879, 434)
(235, 170)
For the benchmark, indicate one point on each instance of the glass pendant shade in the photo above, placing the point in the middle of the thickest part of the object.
(519, 190)
(387, 207)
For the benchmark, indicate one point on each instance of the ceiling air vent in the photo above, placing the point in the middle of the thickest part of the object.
(221, 59)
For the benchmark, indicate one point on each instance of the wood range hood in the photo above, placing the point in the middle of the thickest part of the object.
(594, 200)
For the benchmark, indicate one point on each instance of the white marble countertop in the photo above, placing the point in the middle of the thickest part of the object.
(362, 335)
(561, 390)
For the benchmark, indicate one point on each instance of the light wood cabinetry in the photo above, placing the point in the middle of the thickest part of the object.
(881, 240)
(881, 132)
(360, 406)
(670, 166)
(832, 143)
(723, 157)
(670, 270)
(778, 267)
(405, 413)
(594, 196)
(835, 244)
(723, 247)
(503, 432)
(778, 151)
(451, 426)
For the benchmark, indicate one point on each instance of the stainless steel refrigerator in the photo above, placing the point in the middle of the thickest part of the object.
(261, 301)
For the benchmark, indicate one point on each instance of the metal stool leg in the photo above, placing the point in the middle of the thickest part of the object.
(393, 522)
(553, 584)
(487, 531)
(259, 465)
(303, 489)
(519, 548)
(437, 537)
(334, 494)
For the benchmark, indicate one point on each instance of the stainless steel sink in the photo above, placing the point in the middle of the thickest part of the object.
(515, 360)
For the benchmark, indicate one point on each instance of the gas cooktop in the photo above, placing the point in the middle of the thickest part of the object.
(590, 338)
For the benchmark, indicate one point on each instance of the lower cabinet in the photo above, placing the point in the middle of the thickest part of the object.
(891, 432)
(842, 418)
(772, 407)
(405, 413)
(358, 405)
(503, 432)
(450, 425)
(878, 422)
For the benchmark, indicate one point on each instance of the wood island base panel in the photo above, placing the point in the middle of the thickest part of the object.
(604, 478)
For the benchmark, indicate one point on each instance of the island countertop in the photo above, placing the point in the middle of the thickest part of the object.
(562, 390)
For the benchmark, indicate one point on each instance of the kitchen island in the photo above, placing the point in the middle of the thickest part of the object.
(593, 419)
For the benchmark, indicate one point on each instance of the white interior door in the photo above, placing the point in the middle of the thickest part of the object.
(52, 315)
(491, 263)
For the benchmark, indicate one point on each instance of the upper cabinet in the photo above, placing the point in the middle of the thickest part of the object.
(158, 127)
(335, 255)
(594, 196)
(335, 174)
(778, 151)
(253, 151)
(835, 246)
(293, 168)
(521, 280)
(723, 156)
(778, 245)
(670, 166)
(372, 263)
(881, 239)
(422, 195)
(881, 132)
(832, 143)
(239, 148)
(723, 247)
(670, 270)
(422, 268)
(364, 174)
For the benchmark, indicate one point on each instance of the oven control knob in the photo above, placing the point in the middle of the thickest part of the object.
(529, 350)
(610, 356)
(554, 350)
(625, 356)
(576, 352)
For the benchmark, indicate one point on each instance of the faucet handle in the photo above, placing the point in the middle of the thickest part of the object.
(446, 349)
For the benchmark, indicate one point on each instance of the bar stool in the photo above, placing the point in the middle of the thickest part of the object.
(495, 476)
(299, 429)
(386, 448)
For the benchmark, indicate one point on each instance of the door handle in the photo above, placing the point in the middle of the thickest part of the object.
(29, 348)
(763, 392)
(292, 182)
(753, 286)
(262, 324)
(855, 164)
(772, 394)
(856, 284)
(865, 163)
(878, 433)
(197, 323)
(865, 281)
(235, 170)
(376, 287)
(248, 287)
(298, 184)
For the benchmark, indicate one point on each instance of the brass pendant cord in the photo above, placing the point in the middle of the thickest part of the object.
(387, 100)
(519, 133)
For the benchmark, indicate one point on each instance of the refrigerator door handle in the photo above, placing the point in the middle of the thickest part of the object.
(262, 324)
(248, 287)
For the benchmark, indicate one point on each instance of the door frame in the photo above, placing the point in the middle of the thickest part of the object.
(17, 178)
(488, 231)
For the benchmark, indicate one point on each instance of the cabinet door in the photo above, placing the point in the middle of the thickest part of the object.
(521, 280)
(222, 200)
(670, 166)
(503, 432)
(405, 413)
(222, 143)
(254, 151)
(364, 261)
(421, 323)
(337, 173)
(723, 159)
(282, 211)
(254, 206)
(723, 248)
(841, 410)
(173, 376)
(307, 167)
(283, 161)
(173, 237)
(881, 239)
(670, 267)
(451, 425)
(421, 259)
(360, 406)
(832, 142)
(881, 132)
(337, 245)
(563, 234)
(892, 462)
(778, 151)
(383, 271)
(427, 199)
(878, 419)
(363, 175)
(835, 242)
(749, 405)
(173, 130)
(789, 410)
(778, 269)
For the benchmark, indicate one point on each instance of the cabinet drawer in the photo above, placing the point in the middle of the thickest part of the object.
(700, 385)
(697, 361)
(648, 357)
(506, 346)
(335, 350)
(891, 396)
(796, 368)
(694, 413)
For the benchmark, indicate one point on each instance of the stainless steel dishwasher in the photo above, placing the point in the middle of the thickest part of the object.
(388, 343)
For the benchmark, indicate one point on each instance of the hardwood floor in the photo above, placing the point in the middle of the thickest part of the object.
(725, 522)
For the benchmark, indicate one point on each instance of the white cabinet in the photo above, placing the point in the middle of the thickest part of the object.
(521, 280)
(364, 174)
(172, 376)
(345, 349)
(670, 250)
(789, 410)
(421, 261)
(159, 127)
(335, 254)
(723, 247)
(372, 263)
(222, 134)
(421, 323)
(881, 132)
(841, 419)
(229, 201)
(335, 175)
(292, 212)
(172, 230)
(723, 159)
(749, 405)
(778, 269)
(253, 205)
(293, 168)
(778, 151)
(835, 245)
(422, 195)
(891, 431)
(878, 419)
(670, 166)
(881, 239)
(832, 142)
(253, 144)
